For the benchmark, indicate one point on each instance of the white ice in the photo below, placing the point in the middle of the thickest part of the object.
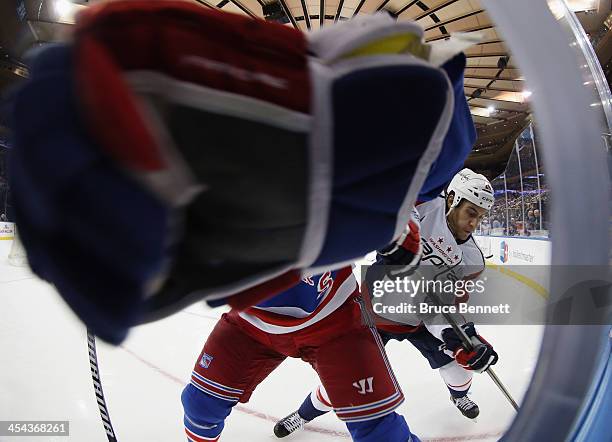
(45, 375)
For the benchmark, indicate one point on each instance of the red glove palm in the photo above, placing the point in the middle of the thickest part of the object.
(479, 358)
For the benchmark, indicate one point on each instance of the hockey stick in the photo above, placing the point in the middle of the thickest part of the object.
(97, 384)
(467, 344)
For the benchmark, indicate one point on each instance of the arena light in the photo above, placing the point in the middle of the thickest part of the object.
(63, 8)
(558, 8)
(583, 5)
(526, 94)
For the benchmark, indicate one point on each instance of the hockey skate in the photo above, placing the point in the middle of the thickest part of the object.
(289, 424)
(466, 406)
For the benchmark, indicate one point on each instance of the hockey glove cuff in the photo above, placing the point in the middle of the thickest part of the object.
(405, 253)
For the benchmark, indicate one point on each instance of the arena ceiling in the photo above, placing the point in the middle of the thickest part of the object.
(495, 94)
(494, 86)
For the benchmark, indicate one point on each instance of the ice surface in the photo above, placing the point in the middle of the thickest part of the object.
(45, 375)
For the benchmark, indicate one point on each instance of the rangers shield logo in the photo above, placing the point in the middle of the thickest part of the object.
(205, 360)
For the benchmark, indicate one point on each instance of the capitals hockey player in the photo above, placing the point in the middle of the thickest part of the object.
(445, 238)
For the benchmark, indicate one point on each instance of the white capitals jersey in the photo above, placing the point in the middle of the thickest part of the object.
(444, 258)
(463, 259)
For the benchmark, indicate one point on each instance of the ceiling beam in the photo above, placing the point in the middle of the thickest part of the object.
(244, 9)
(474, 29)
(289, 14)
(489, 42)
(501, 109)
(487, 54)
(338, 11)
(382, 5)
(491, 77)
(51, 22)
(482, 97)
(410, 4)
(488, 67)
(205, 3)
(454, 19)
(498, 89)
(434, 9)
(321, 13)
(306, 15)
(358, 8)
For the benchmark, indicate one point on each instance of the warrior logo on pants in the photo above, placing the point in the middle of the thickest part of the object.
(361, 385)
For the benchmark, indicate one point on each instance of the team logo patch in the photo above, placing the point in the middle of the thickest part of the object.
(205, 360)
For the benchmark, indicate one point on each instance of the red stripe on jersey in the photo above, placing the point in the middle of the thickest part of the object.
(459, 386)
(288, 321)
(212, 388)
(363, 414)
(321, 398)
(195, 438)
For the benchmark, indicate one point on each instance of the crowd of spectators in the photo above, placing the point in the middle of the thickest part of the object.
(518, 215)
(521, 193)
